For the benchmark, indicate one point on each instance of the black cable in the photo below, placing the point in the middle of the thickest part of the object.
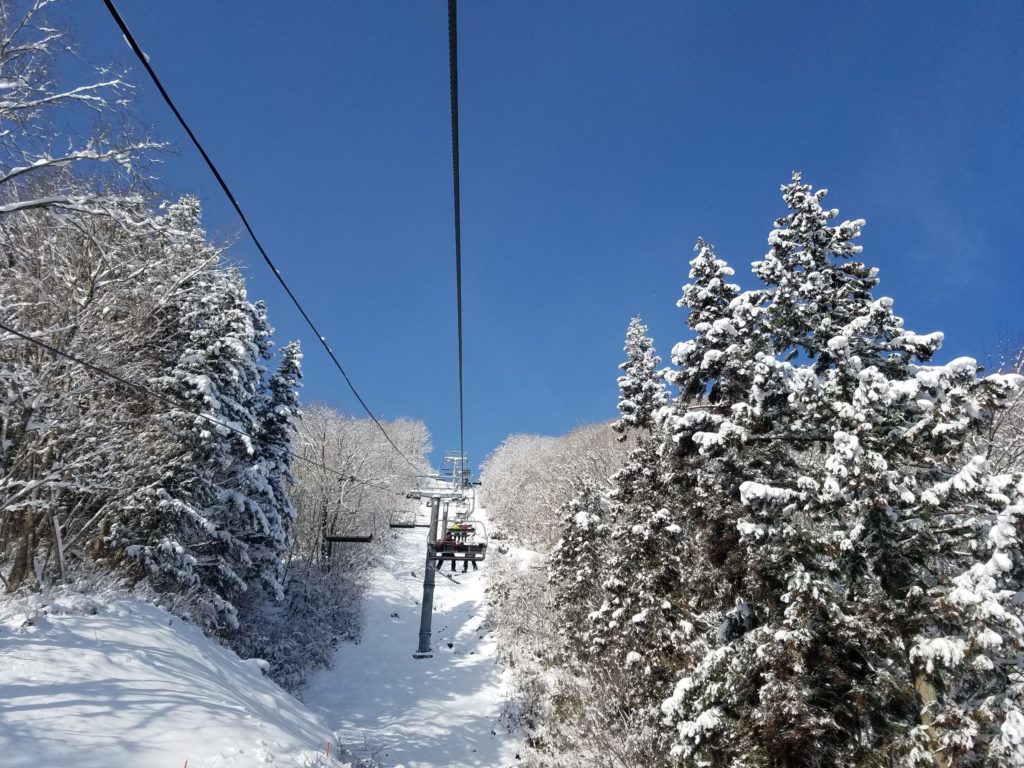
(130, 39)
(174, 404)
(453, 79)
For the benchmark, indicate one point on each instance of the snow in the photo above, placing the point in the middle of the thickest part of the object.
(124, 684)
(752, 492)
(988, 638)
(1012, 728)
(420, 713)
(524, 558)
(946, 651)
(837, 343)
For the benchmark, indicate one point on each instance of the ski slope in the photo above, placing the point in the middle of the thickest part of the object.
(439, 712)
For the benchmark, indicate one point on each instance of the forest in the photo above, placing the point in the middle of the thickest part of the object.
(809, 553)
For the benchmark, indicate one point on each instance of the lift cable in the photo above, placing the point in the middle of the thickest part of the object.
(130, 39)
(453, 79)
(175, 404)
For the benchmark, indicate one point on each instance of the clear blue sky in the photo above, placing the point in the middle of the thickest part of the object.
(599, 139)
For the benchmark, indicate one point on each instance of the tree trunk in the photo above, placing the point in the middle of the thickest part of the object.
(21, 571)
(926, 691)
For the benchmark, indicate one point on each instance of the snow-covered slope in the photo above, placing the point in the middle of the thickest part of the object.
(125, 685)
(419, 713)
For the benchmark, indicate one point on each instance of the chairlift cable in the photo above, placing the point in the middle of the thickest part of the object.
(175, 404)
(130, 39)
(453, 79)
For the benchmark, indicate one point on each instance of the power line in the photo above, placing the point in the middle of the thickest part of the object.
(453, 80)
(174, 404)
(130, 39)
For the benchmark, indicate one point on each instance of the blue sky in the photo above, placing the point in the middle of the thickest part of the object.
(599, 139)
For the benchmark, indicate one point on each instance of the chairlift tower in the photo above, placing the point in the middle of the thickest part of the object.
(455, 469)
(436, 493)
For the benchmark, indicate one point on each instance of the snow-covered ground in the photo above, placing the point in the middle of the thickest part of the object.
(419, 713)
(119, 683)
(87, 684)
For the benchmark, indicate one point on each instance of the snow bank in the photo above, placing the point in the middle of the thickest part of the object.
(125, 684)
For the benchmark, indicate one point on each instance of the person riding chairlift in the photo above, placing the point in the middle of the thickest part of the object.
(456, 534)
(449, 540)
(461, 532)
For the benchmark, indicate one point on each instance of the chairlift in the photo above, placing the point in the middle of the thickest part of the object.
(464, 541)
(406, 520)
(350, 538)
(332, 539)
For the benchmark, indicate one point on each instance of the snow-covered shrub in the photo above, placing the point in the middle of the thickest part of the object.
(525, 482)
(299, 634)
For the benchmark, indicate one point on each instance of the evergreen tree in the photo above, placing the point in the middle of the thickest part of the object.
(165, 522)
(577, 561)
(633, 622)
(188, 527)
(279, 412)
(641, 390)
(634, 632)
(225, 363)
(862, 523)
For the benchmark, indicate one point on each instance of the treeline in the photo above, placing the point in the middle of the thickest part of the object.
(178, 471)
(529, 477)
(811, 555)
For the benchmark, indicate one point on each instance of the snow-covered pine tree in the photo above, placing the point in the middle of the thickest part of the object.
(187, 527)
(278, 414)
(873, 621)
(708, 301)
(168, 527)
(577, 563)
(634, 632)
(715, 370)
(224, 363)
(638, 518)
(641, 389)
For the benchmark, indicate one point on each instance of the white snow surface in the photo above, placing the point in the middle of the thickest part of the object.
(123, 684)
(420, 713)
(120, 683)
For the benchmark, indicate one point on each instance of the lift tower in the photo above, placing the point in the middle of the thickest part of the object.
(455, 469)
(439, 492)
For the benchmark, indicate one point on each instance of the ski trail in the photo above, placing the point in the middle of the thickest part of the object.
(419, 713)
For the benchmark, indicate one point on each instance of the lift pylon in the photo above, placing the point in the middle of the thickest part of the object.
(455, 469)
(435, 494)
(423, 650)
